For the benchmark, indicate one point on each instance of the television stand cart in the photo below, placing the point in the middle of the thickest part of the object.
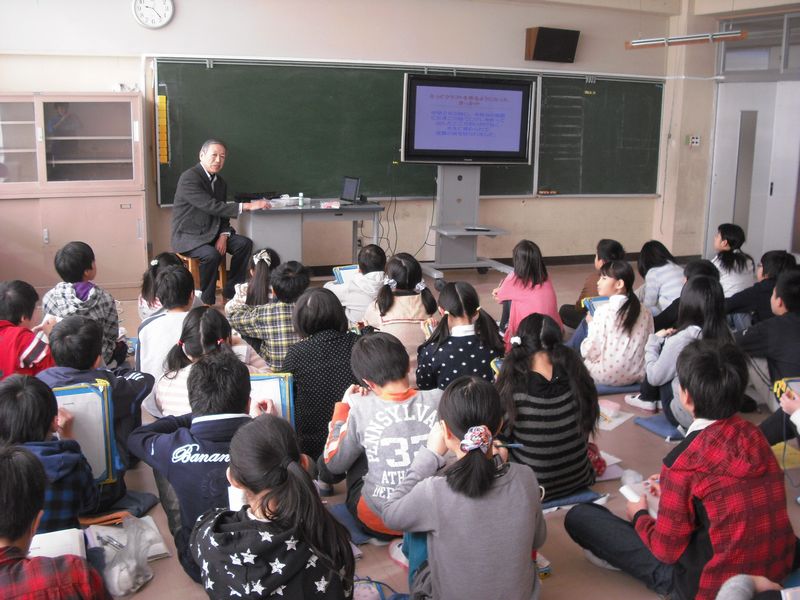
(457, 228)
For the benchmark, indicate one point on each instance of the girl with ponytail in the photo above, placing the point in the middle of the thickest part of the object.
(736, 268)
(613, 350)
(205, 330)
(481, 511)
(551, 407)
(403, 305)
(282, 542)
(464, 343)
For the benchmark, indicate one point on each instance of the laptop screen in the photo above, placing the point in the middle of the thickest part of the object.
(350, 186)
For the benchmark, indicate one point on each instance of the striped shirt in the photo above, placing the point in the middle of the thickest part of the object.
(552, 444)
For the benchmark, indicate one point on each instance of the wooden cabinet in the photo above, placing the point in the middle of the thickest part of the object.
(71, 168)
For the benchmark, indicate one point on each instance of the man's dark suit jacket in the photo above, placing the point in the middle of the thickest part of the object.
(199, 213)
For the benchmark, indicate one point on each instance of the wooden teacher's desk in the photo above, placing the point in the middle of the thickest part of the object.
(282, 228)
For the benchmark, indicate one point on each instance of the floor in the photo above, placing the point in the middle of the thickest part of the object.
(572, 576)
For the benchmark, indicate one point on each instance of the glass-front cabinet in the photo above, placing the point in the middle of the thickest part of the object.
(63, 143)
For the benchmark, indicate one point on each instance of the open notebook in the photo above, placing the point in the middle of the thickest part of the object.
(344, 273)
(278, 387)
(58, 543)
(93, 426)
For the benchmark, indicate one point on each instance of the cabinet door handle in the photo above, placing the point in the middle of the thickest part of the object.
(45, 235)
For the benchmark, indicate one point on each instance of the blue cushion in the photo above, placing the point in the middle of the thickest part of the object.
(659, 425)
(607, 390)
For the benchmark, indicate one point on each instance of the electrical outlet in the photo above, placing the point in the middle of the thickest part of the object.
(694, 140)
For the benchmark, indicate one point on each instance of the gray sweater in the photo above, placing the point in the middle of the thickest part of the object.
(661, 354)
(477, 547)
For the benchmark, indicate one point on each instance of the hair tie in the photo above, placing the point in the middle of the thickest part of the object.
(445, 313)
(390, 282)
(737, 250)
(477, 438)
(180, 343)
(220, 341)
(262, 255)
(420, 286)
(154, 262)
(288, 460)
(516, 341)
(479, 309)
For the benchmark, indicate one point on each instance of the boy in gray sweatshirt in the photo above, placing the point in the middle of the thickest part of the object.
(377, 429)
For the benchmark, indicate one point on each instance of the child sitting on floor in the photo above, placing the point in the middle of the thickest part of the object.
(663, 278)
(21, 350)
(376, 430)
(256, 290)
(403, 305)
(701, 315)
(30, 417)
(722, 501)
(528, 289)
(606, 251)
(320, 364)
(75, 344)
(283, 542)
(22, 496)
(205, 330)
(752, 304)
(360, 291)
(736, 268)
(148, 302)
(191, 451)
(78, 295)
(613, 350)
(483, 517)
(551, 407)
(464, 343)
(272, 323)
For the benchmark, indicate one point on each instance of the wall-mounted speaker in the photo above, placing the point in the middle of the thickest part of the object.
(550, 44)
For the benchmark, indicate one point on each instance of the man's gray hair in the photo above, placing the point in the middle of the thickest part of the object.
(212, 141)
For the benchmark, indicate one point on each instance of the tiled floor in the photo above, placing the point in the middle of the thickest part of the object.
(573, 576)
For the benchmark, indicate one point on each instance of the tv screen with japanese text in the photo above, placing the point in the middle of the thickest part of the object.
(466, 120)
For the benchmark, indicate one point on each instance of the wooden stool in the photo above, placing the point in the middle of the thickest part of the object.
(193, 264)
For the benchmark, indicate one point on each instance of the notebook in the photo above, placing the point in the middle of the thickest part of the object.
(593, 303)
(278, 387)
(93, 426)
(344, 273)
(58, 543)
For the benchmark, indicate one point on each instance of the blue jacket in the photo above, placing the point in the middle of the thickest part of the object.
(192, 453)
(70, 486)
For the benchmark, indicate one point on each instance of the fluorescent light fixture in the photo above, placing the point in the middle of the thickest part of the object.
(683, 40)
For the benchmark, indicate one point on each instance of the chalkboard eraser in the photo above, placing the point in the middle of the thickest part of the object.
(476, 228)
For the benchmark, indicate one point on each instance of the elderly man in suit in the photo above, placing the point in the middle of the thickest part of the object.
(201, 221)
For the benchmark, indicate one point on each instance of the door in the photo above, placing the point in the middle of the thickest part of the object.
(742, 158)
(756, 161)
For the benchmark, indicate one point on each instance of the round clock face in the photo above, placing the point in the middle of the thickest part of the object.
(152, 13)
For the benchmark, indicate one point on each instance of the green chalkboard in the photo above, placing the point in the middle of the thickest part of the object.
(292, 128)
(599, 136)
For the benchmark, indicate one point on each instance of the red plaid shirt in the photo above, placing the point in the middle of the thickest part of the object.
(722, 510)
(61, 578)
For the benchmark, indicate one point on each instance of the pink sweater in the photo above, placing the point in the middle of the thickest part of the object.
(526, 300)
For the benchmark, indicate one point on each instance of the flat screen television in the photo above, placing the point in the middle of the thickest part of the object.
(466, 120)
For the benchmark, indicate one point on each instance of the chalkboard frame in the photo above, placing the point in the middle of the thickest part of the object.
(525, 177)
